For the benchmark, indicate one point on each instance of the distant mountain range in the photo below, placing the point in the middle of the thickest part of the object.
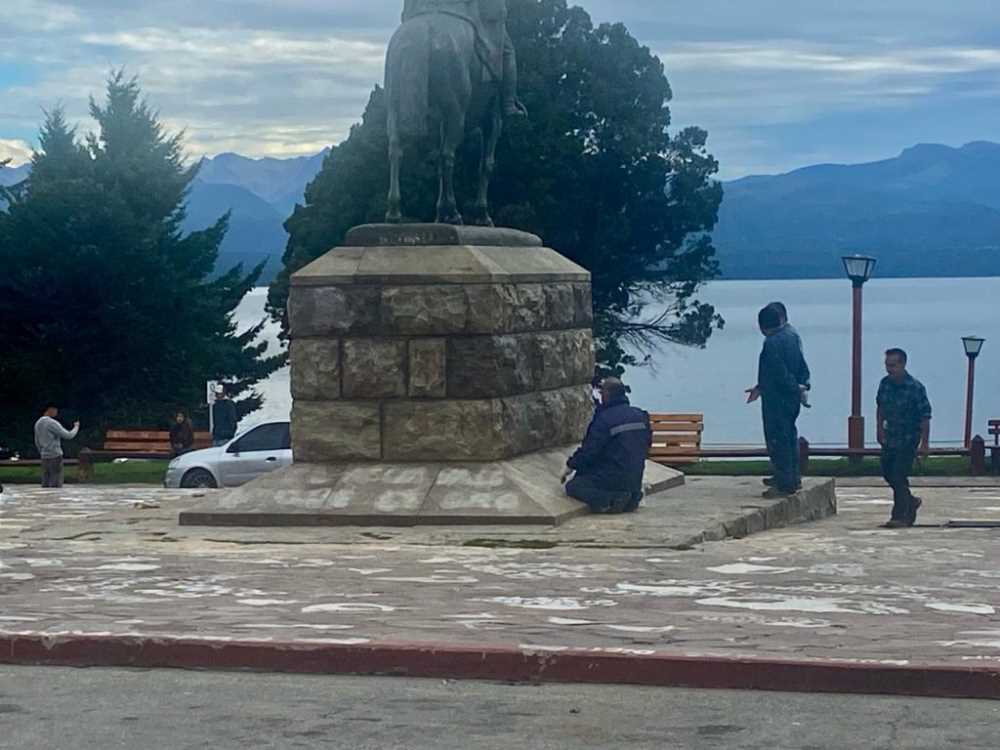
(260, 194)
(931, 211)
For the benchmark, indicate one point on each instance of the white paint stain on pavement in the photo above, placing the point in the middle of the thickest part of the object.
(848, 570)
(570, 621)
(348, 607)
(266, 602)
(292, 626)
(129, 567)
(547, 602)
(748, 619)
(485, 616)
(749, 568)
(668, 588)
(971, 643)
(643, 628)
(777, 603)
(336, 641)
(969, 609)
(429, 579)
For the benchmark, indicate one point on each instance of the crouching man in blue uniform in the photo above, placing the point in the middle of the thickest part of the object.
(609, 465)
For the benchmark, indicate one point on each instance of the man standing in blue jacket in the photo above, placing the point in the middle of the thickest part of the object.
(778, 380)
(610, 463)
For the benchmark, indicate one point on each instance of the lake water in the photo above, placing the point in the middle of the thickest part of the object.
(927, 317)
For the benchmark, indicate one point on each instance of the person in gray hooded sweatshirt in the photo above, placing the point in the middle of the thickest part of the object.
(49, 435)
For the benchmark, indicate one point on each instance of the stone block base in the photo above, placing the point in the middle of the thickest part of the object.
(523, 490)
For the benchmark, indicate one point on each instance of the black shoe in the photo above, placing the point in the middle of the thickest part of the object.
(895, 523)
(769, 482)
(912, 517)
(776, 492)
(620, 504)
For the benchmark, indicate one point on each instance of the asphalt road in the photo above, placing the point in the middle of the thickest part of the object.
(52, 708)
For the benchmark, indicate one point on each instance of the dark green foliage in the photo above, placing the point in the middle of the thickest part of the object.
(593, 171)
(106, 307)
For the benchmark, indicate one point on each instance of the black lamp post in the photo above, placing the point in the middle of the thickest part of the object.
(973, 345)
(859, 269)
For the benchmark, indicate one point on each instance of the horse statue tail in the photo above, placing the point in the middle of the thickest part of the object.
(407, 77)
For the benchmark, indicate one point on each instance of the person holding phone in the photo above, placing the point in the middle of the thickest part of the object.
(49, 435)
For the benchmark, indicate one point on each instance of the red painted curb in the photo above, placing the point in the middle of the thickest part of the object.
(504, 663)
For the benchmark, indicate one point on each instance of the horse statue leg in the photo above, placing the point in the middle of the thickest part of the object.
(452, 132)
(492, 125)
(394, 212)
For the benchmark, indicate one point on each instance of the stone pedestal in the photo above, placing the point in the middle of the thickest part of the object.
(438, 343)
(436, 354)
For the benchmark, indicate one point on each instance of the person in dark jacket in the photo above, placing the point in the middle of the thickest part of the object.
(904, 430)
(181, 435)
(778, 387)
(609, 465)
(804, 377)
(223, 417)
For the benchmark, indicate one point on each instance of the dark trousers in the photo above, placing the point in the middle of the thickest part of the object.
(897, 463)
(782, 439)
(52, 472)
(599, 495)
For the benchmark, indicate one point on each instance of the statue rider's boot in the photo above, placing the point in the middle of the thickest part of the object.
(513, 108)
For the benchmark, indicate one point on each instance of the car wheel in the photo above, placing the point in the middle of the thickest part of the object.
(198, 478)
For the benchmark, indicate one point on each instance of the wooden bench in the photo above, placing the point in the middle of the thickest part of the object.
(676, 438)
(145, 443)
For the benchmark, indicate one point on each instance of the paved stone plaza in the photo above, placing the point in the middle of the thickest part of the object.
(113, 560)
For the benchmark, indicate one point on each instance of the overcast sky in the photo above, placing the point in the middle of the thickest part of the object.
(777, 83)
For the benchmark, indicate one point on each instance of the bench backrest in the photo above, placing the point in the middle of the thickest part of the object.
(148, 441)
(676, 438)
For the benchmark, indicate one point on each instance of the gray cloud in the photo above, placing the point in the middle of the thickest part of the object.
(769, 79)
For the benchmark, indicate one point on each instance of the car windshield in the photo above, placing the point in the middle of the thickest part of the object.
(266, 437)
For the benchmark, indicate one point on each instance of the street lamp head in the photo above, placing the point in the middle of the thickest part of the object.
(859, 268)
(973, 345)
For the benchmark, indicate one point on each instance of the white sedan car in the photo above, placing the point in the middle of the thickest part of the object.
(255, 451)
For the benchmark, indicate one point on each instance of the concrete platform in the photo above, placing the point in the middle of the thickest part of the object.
(521, 491)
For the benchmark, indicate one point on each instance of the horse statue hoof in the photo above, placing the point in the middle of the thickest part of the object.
(393, 217)
(482, 221)
(454, 219)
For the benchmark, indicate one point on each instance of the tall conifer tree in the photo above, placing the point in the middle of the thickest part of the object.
(107, 307)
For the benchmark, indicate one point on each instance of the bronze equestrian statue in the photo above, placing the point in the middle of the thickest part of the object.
(450, 67)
